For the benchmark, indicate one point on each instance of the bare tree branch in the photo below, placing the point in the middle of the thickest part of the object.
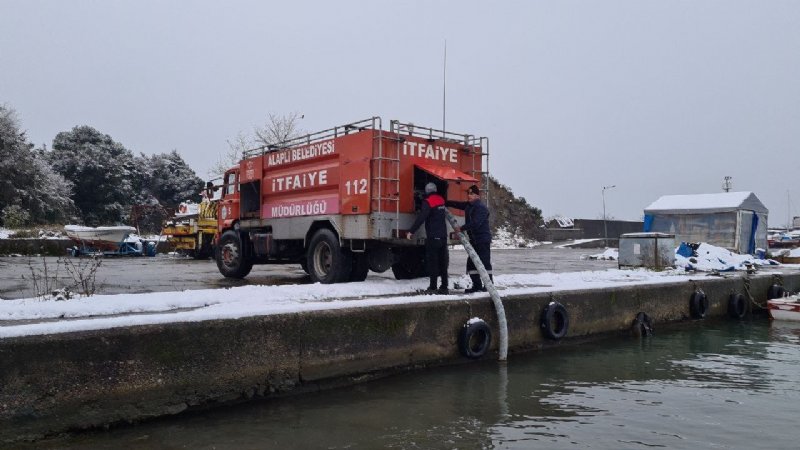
(277, 129)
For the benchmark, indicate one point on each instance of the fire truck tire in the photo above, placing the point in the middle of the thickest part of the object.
(232, 261)
(411, 264)
(360, 267)
(327, 262)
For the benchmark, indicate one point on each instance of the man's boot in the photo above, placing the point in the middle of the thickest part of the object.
(443, 287)
(477, 285)
(431, 286)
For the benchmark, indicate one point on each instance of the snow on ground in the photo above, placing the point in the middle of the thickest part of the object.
(45, 316)
(5, 233)
(710, 258)
(570, 244)
(707, 258)
(611, 254)
(36, 317)
(505, 239)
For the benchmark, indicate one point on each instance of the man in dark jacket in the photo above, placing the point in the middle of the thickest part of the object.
(476, 224)
(432, 213)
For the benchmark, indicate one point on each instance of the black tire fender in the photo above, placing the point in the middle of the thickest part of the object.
(360, 268)
(737, 306)
(642, 325)
(698, 304)
(474, 338)
(555, 321)
(410, 264)
(775, 291)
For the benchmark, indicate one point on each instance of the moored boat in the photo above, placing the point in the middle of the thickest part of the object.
(785, 308)
(100, 238)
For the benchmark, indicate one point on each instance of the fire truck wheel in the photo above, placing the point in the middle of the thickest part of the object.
(327, 261)
(232, 261)
(360, 267)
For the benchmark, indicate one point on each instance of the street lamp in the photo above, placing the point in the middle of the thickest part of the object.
(605, 228)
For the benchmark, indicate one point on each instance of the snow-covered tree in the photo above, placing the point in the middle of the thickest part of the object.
(107, 178)
(170, 180)
(30, 191)
(50, 196)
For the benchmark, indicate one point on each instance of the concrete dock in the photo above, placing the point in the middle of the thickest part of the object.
(61, 382)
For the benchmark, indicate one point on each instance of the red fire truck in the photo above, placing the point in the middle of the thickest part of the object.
(339, 202)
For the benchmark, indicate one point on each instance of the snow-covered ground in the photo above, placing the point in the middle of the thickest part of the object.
(707, 258)
(37, 316)
(45, 316)
(610, 254)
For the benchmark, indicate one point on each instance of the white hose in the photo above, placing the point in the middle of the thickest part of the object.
(487, 282)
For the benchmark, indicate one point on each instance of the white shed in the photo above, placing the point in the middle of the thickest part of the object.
(733, 220)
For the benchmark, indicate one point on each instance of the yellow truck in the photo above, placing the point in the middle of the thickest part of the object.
(191, 230)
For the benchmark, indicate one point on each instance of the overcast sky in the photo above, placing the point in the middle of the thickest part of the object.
(654, 97)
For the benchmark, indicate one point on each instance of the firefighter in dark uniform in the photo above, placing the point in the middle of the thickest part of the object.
(476, 225)
(432, 213)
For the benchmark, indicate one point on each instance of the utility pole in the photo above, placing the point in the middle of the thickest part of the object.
(444, 87)
(605, 228)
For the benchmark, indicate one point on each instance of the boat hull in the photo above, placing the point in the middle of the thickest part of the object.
(786, 308)
(100, 238)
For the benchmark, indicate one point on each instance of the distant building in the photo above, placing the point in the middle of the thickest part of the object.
(560, 228)
(597, 229)
(736, 221)
(560, 222)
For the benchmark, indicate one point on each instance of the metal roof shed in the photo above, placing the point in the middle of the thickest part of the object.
(733, 220)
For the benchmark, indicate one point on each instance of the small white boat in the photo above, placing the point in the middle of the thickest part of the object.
(101, 238)
(785, 308)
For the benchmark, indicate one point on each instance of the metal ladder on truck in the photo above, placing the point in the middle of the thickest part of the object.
(385, 195)
(481, 143)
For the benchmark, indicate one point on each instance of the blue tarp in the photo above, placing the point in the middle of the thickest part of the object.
(751, 243)
(684, 250)
(648, 222)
